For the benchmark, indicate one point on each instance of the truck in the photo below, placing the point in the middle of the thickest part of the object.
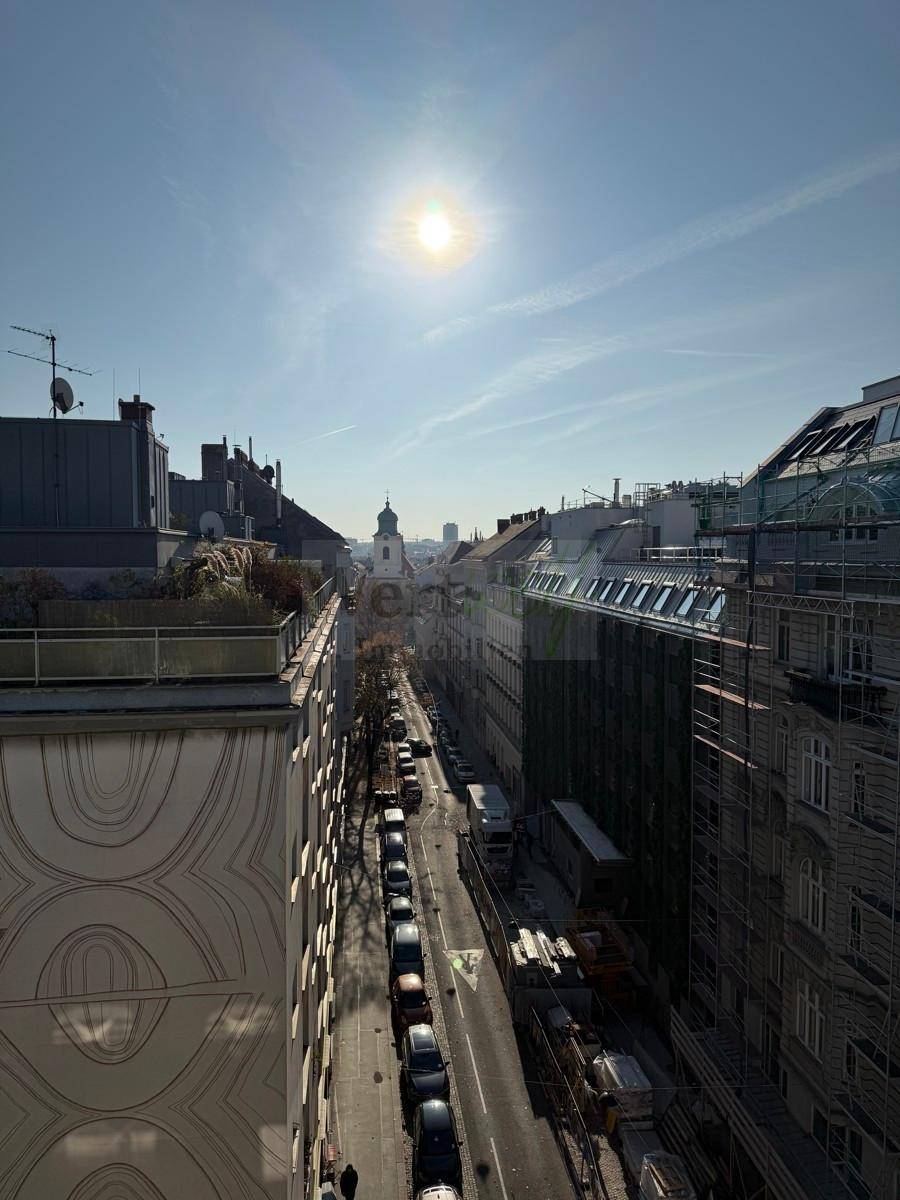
(490, 828)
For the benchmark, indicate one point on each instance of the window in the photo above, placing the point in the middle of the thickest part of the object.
(573, 586)
(854, 932)
(558, 582)
(640, 595)
(592, 587)
(851, 1062)
(663, 598)
(783, 638)
(781, 748)
(885, 427)
(858, 790)
(815, 778)
(776, 963)
(810, 1019)
(812, 895)
(386, 552)
(687, 603)
(715, 609)
(778, 857)
(623, 592)
(605, 590)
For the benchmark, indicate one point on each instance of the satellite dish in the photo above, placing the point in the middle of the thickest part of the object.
(62, 395)
(212, 526)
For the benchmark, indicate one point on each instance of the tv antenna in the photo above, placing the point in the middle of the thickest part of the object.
(60, 391)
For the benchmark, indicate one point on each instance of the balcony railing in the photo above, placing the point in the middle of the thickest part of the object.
(832, 697)
(155, 654)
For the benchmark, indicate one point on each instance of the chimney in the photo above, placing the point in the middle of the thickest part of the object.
(502, 524)
(278, 492)
(136, 410)
(616, 482)
(214, 460)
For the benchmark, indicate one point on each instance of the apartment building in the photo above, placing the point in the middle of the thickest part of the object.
(171, 799)
(793, 1027)
(614, 601)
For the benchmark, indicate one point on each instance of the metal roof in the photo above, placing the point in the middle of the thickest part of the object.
(591, 836)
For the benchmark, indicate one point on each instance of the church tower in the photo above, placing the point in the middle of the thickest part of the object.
(388, 552)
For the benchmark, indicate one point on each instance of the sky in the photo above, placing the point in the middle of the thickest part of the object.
(673, 233)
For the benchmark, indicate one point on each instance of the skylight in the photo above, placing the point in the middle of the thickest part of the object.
(663, 598)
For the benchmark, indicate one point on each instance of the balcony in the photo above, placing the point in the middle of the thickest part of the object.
(833, 698)
(806, 942)
(159, 654)
(791, 1162)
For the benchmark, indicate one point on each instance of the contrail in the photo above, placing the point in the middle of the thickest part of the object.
(704, 233)
(330, 433)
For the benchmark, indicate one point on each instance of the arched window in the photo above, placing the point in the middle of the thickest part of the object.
(386, 552)
(812, 895)
(815, 774)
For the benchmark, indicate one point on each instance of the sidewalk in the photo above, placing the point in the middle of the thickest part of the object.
(364, 1118)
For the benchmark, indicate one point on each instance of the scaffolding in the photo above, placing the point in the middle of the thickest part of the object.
(796, 818)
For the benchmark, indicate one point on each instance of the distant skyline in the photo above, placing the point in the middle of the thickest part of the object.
(482, 262)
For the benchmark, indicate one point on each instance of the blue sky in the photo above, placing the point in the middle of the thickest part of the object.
(676, 234)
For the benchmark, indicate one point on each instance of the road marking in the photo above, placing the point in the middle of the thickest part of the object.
(499, 1172)
(458, 999)
(443, 935)
(477, 1080)
(467, 963)
(424, 851)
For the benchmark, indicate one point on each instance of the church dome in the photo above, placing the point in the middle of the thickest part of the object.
(387, 520)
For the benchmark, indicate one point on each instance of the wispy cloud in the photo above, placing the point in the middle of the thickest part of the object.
(639, 399)
(330, 433)
(560, 356)
(704, 233)
(526, 375)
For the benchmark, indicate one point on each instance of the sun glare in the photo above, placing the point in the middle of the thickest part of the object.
(435, 232)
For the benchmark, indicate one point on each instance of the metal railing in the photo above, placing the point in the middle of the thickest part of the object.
(36, 657)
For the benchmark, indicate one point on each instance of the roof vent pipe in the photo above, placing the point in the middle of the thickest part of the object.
(278, 492)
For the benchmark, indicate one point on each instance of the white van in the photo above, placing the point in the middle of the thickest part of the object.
(393, 821)
(622, 1076)
(664, 1177)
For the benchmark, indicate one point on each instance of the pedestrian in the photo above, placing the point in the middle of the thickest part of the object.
(349, 1180)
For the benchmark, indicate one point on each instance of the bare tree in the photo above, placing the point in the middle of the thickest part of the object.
(381, 663)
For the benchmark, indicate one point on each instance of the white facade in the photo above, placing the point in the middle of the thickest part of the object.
(387, 548)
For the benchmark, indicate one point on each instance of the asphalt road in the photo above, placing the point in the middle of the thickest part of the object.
(505, 1118)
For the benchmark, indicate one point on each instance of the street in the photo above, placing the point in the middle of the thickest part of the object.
(505, 1117)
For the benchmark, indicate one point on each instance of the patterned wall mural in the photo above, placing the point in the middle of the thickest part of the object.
(142, 960)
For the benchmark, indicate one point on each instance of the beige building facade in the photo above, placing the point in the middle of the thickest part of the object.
(168, 879)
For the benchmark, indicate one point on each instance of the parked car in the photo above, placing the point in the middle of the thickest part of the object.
(419, 747)
(398, 731)
(435, 1144)
(409, 1001)
(440, 1191)
(411, 789)
(404, 748)
(454, 754)
(463, 771)
(393, 821)
(423, 1070)
(399, 910)
(393, 848)
(396, 879)
(407, 953)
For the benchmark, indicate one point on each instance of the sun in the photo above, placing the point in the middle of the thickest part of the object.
(435, 232)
